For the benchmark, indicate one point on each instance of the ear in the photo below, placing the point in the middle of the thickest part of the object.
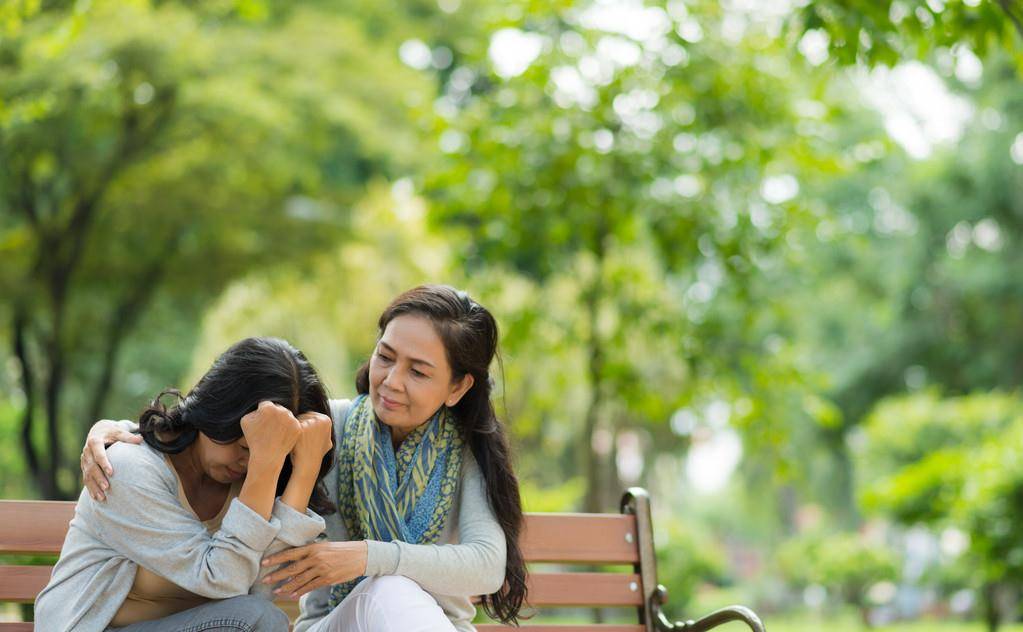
(458, 389)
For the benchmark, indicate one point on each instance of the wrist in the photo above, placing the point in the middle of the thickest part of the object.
(266, 463)
(306, 464)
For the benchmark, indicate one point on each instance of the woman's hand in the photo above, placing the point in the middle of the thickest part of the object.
(271, 432)
(96, 468)
(317, 565)
(316, 439)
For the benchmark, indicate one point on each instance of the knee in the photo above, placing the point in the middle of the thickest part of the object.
(261, 615)
(396, 588)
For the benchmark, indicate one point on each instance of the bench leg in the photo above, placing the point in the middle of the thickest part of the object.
(713, 620)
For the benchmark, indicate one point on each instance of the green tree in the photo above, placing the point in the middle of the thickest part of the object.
(661, 159)
(952, 462)
(843, 563)
(170, 149)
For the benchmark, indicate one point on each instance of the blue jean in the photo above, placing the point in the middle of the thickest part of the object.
(237, 614)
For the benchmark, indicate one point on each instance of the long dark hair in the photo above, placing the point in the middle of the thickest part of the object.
(469, 334)
(252, 370)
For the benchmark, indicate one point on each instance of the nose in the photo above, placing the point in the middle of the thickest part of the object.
(393, 380)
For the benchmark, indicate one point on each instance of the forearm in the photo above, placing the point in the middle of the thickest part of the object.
(449, 569)
(300, 486)
(260, 486)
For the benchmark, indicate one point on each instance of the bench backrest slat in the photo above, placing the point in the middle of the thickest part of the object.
(580, 538)
(34, 526)
(584, 589)
(21, 584)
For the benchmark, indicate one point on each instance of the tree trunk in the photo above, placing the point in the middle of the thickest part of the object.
(595, 368)
(989, 602)
(21, 353)
(52, 396)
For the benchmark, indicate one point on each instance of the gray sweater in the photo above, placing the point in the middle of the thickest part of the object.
(142, 522)
(471, 562)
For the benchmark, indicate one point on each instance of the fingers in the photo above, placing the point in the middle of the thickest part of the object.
(129, 437)
(95, 449)
(288, 555)
(95, 468)
(301, 583)
(96, 483)
(311, 586)
(288, 571)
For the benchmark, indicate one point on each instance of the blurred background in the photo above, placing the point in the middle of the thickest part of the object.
(761, 257)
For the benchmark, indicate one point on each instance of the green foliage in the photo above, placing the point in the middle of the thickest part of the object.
(688, 557)
(846, 564)
(643, 181)
(965, 473)
(890, 31)
(173, 149)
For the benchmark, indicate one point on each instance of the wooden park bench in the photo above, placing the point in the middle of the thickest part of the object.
(622, 540)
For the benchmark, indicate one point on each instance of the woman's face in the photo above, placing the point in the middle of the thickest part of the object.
(223, 462)
(409, 375)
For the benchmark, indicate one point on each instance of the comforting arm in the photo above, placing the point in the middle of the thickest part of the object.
(475, 566)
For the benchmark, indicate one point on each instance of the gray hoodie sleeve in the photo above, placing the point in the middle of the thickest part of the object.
(143, 520)
(297, 529)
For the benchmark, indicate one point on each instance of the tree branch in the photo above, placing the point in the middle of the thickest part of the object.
(1007, 6)
(124, 319)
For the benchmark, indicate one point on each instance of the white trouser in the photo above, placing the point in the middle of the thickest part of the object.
(384, 604)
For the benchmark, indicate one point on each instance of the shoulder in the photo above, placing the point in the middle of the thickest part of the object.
(138, 465)
(339, 411)
(470, 468)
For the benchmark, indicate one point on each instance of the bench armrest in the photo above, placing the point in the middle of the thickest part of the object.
(713, 620)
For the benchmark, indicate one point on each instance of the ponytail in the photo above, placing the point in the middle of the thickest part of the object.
(165, 429)
(488, 441)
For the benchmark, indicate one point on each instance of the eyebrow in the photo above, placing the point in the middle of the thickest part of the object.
(414, 360)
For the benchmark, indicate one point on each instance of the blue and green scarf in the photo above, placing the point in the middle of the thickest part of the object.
(395, 496)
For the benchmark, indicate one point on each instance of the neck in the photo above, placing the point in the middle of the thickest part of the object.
(189, 467)
(398, 435)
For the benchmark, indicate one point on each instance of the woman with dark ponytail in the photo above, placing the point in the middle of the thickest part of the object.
(429, 512)
(222, 477)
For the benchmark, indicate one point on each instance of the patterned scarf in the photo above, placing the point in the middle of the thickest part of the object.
(389, 496)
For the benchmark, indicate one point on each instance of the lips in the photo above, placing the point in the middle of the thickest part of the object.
(389, 403)
(234, 474)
